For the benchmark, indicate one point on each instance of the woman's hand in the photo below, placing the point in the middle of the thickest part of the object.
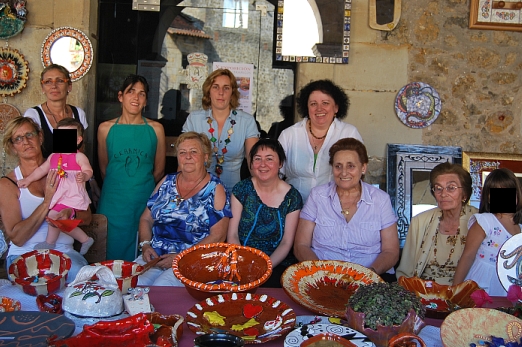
(166, 261)
(51, 184)
(66, 213)
(148, 253)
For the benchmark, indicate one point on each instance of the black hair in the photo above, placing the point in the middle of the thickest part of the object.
(328, 87)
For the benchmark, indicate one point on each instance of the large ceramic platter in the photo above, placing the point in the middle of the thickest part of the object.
(509, 262)
(28, 328)
(256, 318)
(417, 105)
(299, 335)
(324, 286)
(470, 325)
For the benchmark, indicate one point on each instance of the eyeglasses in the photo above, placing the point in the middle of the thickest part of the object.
(58, 82)
(20, 139)
(437, 190)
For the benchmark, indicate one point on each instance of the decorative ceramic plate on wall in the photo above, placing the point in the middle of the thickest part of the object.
(509, 262)
(254, 317)
(417, 105)
(14, 72)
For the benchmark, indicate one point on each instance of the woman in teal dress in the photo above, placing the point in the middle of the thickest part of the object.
(131, 154)
(265, 209)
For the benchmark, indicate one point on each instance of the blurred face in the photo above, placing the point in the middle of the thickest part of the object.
(133, 99)
(221, 93)
(321, 109)
(26, 142)
(55, 86)
(265, 164)
(78, 137)
(452, 195)
(347, 169)
(191, 157)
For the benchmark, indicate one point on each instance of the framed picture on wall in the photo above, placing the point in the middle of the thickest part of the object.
(495, 15)
(480, 165)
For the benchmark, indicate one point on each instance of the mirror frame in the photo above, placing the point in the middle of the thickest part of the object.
(58, 33)
(402, 160)
(345, 45)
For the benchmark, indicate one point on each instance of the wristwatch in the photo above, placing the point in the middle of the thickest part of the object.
(143, 243)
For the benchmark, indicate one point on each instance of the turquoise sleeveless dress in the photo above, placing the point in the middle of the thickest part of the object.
(128, 183)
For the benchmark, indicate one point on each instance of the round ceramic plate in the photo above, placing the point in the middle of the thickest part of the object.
(417, 105)
(324, 286)
(509, 262)
(28, 328)
(469, 325)
(256, 318)
(296, 337)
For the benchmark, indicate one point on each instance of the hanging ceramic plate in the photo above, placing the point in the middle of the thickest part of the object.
(417, 105)
(7, 112)
(256, 318)
(14, 72)
(301, 334)
(324, 286)
(12, 20)
(509, 262)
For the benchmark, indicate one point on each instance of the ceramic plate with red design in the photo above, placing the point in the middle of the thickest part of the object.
(324, 286)
(256, 318)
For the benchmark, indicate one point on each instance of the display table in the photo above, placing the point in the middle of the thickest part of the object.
(171, 300)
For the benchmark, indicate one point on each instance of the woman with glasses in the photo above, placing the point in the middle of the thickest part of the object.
(23, 210)
(436, 238)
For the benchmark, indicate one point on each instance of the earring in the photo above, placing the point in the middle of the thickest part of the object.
(205, 163)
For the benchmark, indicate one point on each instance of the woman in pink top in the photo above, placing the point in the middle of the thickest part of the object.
(74, 170)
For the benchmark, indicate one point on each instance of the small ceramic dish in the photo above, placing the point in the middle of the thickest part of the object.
(327, 333)
(222, 340)
(9, 305)
(51, 303)
(167, 328)
(327, 340)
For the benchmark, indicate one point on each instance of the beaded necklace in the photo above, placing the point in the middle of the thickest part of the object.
(451, 239)
(220, 159)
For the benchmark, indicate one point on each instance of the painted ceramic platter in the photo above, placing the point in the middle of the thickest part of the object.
(470, 325)
(301, 334)
(256, 318)
(14, 72)
(28, 328)
(509, 262)
(417, 105)
(324, 286)
(7, 112)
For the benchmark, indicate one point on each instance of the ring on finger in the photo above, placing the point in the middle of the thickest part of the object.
(52, 185)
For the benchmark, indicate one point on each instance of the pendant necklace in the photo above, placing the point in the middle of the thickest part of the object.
(346, 211)
(49, 111)
(452, 239)
(220, 159)
(179, 198)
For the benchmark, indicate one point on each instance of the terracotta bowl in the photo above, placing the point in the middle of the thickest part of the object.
(215, 268)
(125, 272)
(440, 300)
(325, 286)
(40, 271)
(168, 328)
(9, 305)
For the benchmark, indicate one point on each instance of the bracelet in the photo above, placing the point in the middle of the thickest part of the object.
(143, 243)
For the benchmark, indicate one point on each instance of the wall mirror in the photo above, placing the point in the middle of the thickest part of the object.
(70, 48)
(313, 31)
(408, 179)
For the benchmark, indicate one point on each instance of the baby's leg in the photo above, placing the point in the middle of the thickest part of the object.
(52, 234)
(80, 235)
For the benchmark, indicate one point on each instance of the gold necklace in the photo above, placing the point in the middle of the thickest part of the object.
(452, 239)
(311, 133)
(49, 111)
(346, 211)
(179, 198)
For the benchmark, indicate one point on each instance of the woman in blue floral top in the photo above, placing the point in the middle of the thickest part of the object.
(266, 209)
(187, 208)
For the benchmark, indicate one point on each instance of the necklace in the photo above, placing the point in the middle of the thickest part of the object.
(220, 159)
(346, 211)
(49, 111)
(179, 198)
(315, 137)
(451, 239)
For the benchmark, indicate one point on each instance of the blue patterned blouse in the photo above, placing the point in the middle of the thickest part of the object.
(180, 226)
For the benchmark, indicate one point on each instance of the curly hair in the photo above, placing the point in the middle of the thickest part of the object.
(328, 87)
(449, 168)
(206, 102)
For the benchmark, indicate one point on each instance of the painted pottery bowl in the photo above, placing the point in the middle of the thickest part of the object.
(167, 328)
(220, 339)
(327, 339)
(380, 337)
(325, 286)
(9, 305)
(40, 271)
(215, 268)
(51, 303)
(126, 273)
(440, 300)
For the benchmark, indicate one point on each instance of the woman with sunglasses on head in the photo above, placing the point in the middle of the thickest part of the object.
(436, 238)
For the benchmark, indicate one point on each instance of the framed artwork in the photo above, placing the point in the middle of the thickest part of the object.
(480, 165)
(496, 15)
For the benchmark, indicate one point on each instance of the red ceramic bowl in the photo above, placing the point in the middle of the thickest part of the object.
(210, 269)
(40, 271)
(126, 273)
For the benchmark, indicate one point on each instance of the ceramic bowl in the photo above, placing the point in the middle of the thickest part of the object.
(327, 339)
(167, 328)
(325, 286)
(126, 273)
(213, 340)
(210, 269)
(9, 305)
(440, 300)
(40, 271)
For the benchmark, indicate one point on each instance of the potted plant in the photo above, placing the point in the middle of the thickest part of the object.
(383, 310)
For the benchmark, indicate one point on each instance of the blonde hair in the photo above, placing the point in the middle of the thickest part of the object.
(12, 126)
(203, 140)
(206, 102)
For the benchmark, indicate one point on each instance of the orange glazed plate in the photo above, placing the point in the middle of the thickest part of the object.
(256, 318)
(324, 286)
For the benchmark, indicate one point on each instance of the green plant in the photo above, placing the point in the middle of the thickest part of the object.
(385, 304)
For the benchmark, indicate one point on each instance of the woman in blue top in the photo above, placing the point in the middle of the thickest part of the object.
(187, 208)
(232, 132)
(266, 209)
